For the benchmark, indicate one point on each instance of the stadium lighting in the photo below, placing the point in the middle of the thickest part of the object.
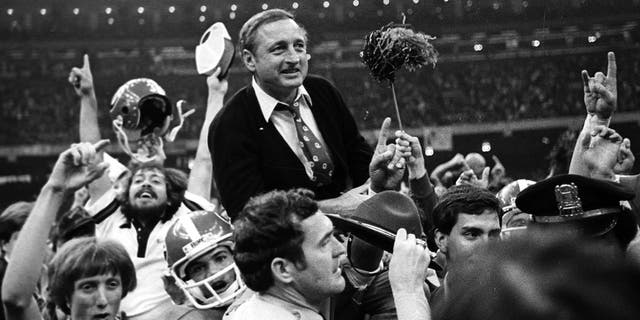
(385, 2)
(10, 11)
(295, 5)
(172, 9)
(477, 47)
(108, 10)
(266, 6)
(110, 21)
(535, 43)
(428, 151)
(486, 146)
(232, 15)
(417, 1)
(591, 39)
(202, 19)
(356, 3)
(43, 11)
(140, 10)
(76, 11)
(326, 4)
(446, 1)
(203, 8)
(234, 7)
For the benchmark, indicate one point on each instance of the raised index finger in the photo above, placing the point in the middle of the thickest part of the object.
(101, 144)
(585, 81)
(86, 64)
(382, 136)
(612, 68)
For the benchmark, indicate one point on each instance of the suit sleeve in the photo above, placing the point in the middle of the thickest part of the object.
(236, 166)
(425, 199)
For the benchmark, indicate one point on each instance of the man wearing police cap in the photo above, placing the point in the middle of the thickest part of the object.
(588, 206)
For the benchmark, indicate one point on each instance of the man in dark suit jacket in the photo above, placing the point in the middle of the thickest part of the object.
(253, 140)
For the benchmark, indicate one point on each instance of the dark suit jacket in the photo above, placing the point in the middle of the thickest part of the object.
(250, 156)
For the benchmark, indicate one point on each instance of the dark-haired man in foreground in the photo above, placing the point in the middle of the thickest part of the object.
(287, 253)
(465, 218)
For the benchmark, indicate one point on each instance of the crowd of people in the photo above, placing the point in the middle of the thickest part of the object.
(158, 21)
(486, 91)
(309, 220)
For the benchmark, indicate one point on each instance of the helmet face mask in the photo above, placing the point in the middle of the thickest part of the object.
(203, 294)
(197, 241)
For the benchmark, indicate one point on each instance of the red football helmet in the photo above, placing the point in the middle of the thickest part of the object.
(191, 237)
(141, 111)
(143, 105)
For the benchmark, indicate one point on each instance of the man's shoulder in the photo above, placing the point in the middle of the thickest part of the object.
(242, 98)
(258, 308)
(239, 109)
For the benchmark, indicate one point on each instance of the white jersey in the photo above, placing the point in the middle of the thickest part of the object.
(149, 295)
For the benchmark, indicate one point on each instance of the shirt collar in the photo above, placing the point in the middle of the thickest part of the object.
(268, 103)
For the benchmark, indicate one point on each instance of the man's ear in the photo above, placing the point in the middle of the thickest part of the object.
(282, 270)
(249, 60)
(441, 241)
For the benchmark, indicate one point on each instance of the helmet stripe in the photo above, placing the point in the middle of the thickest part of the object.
(191, 229)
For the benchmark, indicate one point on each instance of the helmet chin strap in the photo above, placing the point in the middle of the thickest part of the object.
(181, 116)
(141, 155)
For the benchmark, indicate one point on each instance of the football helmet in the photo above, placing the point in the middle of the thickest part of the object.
(513, 219)
(191, 237)
(141, 111)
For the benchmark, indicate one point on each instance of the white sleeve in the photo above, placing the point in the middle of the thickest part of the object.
(93, 207)
(115, 167)
(202, 202)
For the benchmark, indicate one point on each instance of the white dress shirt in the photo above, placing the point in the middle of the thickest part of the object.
(283, 121)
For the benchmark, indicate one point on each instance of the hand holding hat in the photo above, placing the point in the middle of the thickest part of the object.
(409, 263)
(377, 219)
(215, 51)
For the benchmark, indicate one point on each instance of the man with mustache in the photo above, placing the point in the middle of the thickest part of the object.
(136, 205)
(285, 130)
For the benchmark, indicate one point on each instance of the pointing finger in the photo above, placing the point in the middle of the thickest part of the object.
(485, 174)
(382, 136)
(585, 81)
(101, 144)
(612, 68)
(86, 64)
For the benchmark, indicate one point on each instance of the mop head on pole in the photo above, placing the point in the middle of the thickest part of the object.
(395, 45)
